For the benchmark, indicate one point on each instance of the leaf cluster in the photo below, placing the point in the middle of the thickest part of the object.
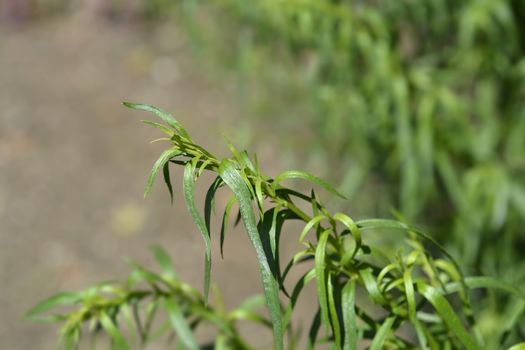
(417, 105)
(403, 300)
(421, 98)
(147, 307)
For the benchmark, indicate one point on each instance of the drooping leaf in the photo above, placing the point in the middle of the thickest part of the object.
(161, 161)
(167, 179)
(161, 127)
(349, 317)
(409, 292)
(180, 324)
(233, 179)
(71, 338)
(487, 282)
(245, 161)
(165, 116)
(320, 273)
(382, 333)
(309, 225)
(189, 199)
(396, 225)
(448, 315)
(209, 201)
(352, 227)
(164, 261)
(117, 339)
(130, 322)
(265, 226)
(66, 298)
(225, 222)
(333, 310)
(295, 174)
(371, 286)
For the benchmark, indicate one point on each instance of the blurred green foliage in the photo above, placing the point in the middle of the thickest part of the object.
(411, 300)
(23, 10)
(418, 104)
(412, 105)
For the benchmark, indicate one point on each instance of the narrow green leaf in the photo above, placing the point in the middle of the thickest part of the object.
(284, 191)
(161, 161)
(352, 227)
(70, 339)
(128, 317)
(204, 165)
(117, 339)
(160, 139)
(243, 315)
(520, 346)
(225, 221)
(233, 179)
(245, 161)
(180, 325)
(209, 202)
(164, 261)
(161, 127)
(332, 307)
(189, 199)
(167, 179)
(151, 312)
(295, 174)
(488, 282)
(259, 195)
(349, 318)
(275, 231)
(221, 343)
(371, 286)
(496, 284)
(409, 292)
(140, 273)
(309, 225)
(165, 116)
(396, 225)
(232, 148)
(421, 333)
(382, 334)
(320, 273)
(66, 298)
(271, 220)
(448, 315)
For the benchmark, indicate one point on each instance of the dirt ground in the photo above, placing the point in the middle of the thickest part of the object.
(73, 163)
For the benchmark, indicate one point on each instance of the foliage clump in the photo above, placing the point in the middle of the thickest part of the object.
(418, 104)
(365, 293)
(415, 105)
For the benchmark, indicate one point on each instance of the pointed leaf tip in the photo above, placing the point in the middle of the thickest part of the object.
(295, 174)
(165, 116)
(160, 163)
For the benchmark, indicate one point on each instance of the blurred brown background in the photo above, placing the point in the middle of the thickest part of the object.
(73, 160)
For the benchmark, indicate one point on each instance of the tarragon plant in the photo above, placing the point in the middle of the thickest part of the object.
(367, 296)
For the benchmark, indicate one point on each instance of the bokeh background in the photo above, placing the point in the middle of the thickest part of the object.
(412, 108)
(74, 161)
